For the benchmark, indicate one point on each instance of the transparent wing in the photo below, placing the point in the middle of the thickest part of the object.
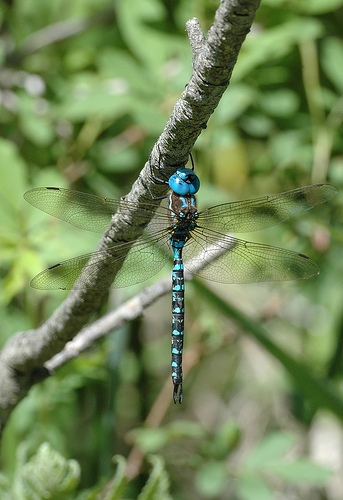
(253, 215)
(86, 211)
(140, 261)
(243, 262)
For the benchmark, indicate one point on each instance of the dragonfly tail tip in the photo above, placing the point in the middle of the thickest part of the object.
(178, 393)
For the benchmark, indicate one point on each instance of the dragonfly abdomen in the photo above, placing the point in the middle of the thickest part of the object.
(178, 312)
(182, 215)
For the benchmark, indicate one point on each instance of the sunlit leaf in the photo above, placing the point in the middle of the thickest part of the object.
(301, 471)
(271, 448)
(212, 479)
(332, 61)
(253, 487)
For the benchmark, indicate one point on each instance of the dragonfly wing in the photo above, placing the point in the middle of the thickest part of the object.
(243, 262)
(83, 210)
(139, 261)
(144, 260)
(260, 213)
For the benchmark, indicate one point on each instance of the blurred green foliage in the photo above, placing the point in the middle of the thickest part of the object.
(85, 90)
(46, 475)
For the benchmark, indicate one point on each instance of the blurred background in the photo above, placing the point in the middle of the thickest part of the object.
(85, 90)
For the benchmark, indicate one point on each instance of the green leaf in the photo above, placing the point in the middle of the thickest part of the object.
(120, 66)
(114, 490)
(212, 479)
(227, 438)
(12, 175)
(48, 475)
(316, 6)
(94, 102)
(150, 440)
(305, 6)
(253, 487)
(234, 102)
(135, 19)
(275, 43)
(185, 429)
(280, 103)
(157, 486)
(5, 488)
(274, 446)
(35, 126)
(289, 148)
(112, 157)
(332, 61)
(257, 125)
(301, 471)
(148, 117)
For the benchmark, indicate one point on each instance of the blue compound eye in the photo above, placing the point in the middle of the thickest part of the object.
(184, 181)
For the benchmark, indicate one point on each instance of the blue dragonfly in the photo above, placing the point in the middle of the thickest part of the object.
(194, 238)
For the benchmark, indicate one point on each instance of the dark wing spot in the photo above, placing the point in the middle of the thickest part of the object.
(265, 210)
(53, 267)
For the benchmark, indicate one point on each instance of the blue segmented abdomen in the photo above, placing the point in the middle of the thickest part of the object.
(182, 214)
(178, 312)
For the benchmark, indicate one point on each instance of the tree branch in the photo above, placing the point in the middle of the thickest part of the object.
(128, 311)
(213, 60)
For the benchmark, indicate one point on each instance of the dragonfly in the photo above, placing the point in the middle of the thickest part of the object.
(191, 236)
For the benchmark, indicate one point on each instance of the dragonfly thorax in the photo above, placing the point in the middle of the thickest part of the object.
(183, 215)
(182, 210)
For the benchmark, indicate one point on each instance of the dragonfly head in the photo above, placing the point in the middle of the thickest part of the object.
(184, 182)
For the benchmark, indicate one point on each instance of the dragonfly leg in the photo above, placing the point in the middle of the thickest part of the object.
(155, 178)
(155, 198)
